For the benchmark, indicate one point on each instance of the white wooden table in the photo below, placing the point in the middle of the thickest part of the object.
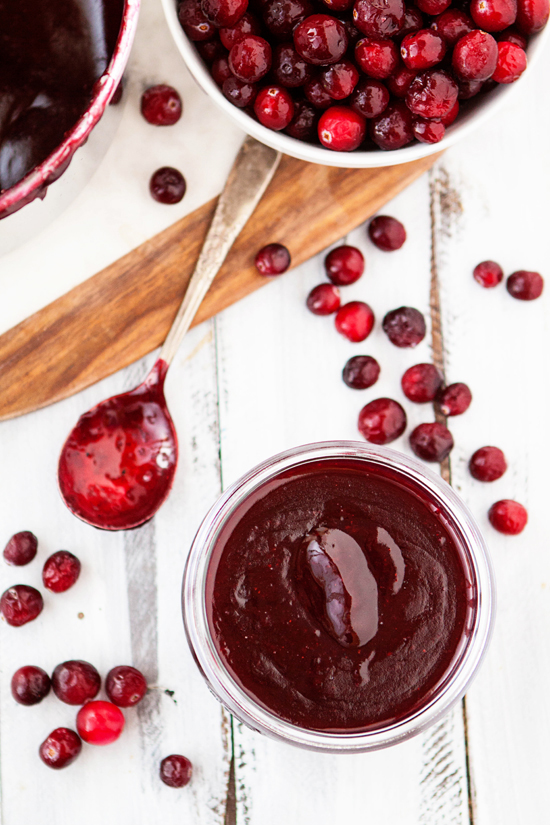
(262, 377)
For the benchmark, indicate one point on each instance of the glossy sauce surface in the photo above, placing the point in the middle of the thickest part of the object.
(339, 596)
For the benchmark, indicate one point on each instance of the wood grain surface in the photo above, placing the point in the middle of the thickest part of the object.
(125, 311)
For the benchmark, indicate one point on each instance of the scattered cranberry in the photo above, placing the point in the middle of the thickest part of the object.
(393, 129)
(21, 548)
(488, 464)
(29, 685)
(282, 16)
(321, 39)
(421, 383)
(340, 79)
(250, 58)
(379, 18)
(452, 25)
(99, 723)
(273, 259)
(176, 770)
(355, 321)
(344, 265)
(405, 327)
(387, 233)
(489, 274)
(524, 285)
(167, 185)
(274, 107)
(125, 686)
(423, 49)
(361, 372)
(428, 131)
(532, 15)
(289, 69)
(224, 12)
(377, 58)
(369, 98)
(323, 299)
(475, 56)
(20, 604)
(511, 63)
(341, 129)
(508, 517)
(193, 21)
(382, 421)
(60, 571)
(431, 442)
(493, 15)
(60, 748)
(231, 35)
(75, 682)
(117, 94)
(432, 94)
(161, 105)
(454, 399)
(240, 94)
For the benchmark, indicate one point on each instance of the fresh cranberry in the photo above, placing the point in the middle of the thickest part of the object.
(273, 259)
(274, 107)
(282, 16)
(193, 21)
(361, 372)
(353, 34)
(532, 15)
(220, 70)
(60, 748)
(377, 58)
(508, 517)
(21, 548)
(210, 50)
(340, 79)
(452, 25)
(161, 105)
(355, 321)
(524, 285)
(431, 442)
(475, 56)
(512, 36)
(167, 185)
(240, 94)
(75, 682)
(469, 88)
(393, 129)
(433, 7)
(379, 18)
(454, 399)
(303, 125)
(387, 233)
(493, 15)
(125, 686)
(414, 21)
(250, 58)
(488, 274)
(382, 421)
(20, 604)
(341, 129)
(344, 265)
(511, 63)
(370, 98)
(451, 116)
(224, 13)
(176, 770)
(488, 464)
(321, 39)
(432, 94)
(323, 299)
(421, 383)
(289, 69)
(400, 81)
(117, 94)
(428, 131)
(60, 571)
(29, 685)
(231, 35)
(405, 327)
(422, 49)
(99, 723)
(317, 95)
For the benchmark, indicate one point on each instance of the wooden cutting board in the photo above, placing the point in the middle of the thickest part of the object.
(125, 311)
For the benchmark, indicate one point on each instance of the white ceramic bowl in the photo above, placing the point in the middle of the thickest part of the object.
(471, 116)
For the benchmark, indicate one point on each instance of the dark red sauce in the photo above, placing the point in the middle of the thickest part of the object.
(51, 54)
(340, 596)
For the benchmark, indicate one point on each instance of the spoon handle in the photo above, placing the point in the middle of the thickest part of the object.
(248, 179)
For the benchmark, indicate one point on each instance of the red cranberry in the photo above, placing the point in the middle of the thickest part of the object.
(210, 50)
(428, 131)
(220, 70)
(379, 18)
(338, 5)
(355, 321)
(475, 56)
(452, 25)
(231, 35)
(117, 94)
(393, 129)
(167, 185)
(454, 399)
(493, 15)
(60, 748)
(400, 81)
(512, 36)
(240, 94)
(361, 372)
(489, 274)
(274, 107)
(323, 299)
(60, 571)
(20, 604)
(161, 105)
(282, 16)
(29, 685)
(99, 723)
(508, 517)
(469, 88)
(432, 94)
(341, 129)
(422, 49)
(405, 327)
(176, 770)
(532, 15)
(382, 421)
(125, 686)
(433, 7)
(250, 58)
(421, 383)
(524, 285)
(224, 12)
(511, 63)
(303, 125)
(387, 233)
(488, 464)
(21, 548)
(289, 69)
(340, 79)
(377, 58)
(451, 116)
(431, 442)
(370, 98)
(193, 21)
(344, 265)
(273, 259)
(75, 682)
(414, 21)
(321, 39)
(317, 95)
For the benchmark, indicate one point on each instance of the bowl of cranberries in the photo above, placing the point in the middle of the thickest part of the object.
(357, 83)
